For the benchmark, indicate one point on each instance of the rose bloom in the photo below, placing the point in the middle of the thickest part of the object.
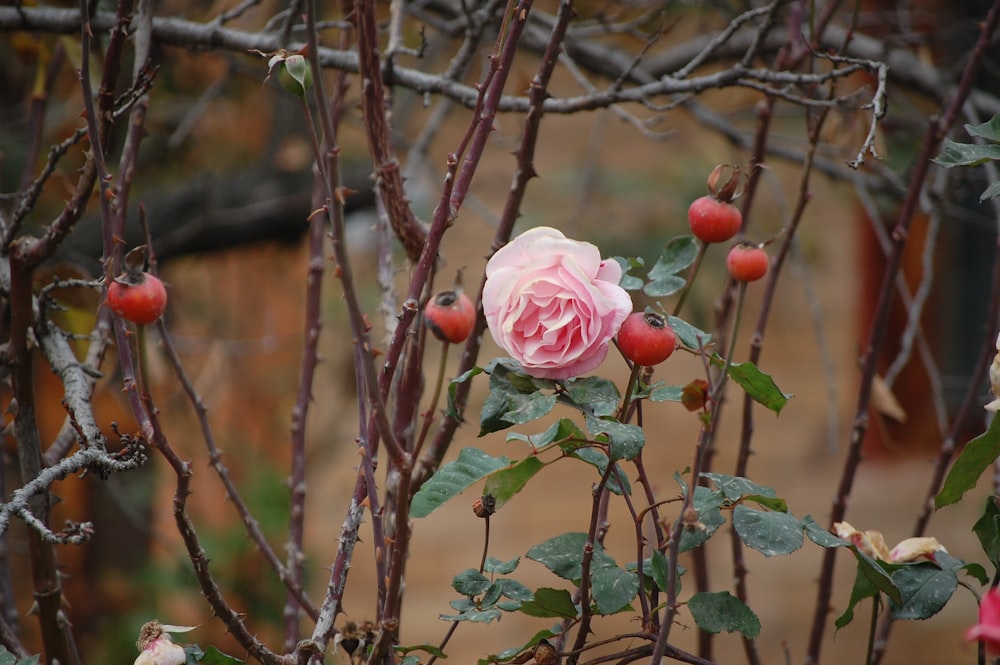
(988, 628)
(553, 304)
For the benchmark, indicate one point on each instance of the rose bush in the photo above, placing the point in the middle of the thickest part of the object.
(553, 304)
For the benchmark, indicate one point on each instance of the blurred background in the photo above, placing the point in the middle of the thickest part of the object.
(225, 177)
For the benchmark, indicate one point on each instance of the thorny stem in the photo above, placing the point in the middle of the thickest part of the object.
(936, 131)
(583, 591)
(251, 525)
(756, 341)
(436, 395)
(630, 388)
(525, 171)
(307, 371)
(872, 627)
(701, 449)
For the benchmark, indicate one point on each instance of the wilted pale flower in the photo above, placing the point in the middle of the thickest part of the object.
(156, 647)
(553, 304)
(912, 549)
(988, 628)
(873, 544)
(994, 406)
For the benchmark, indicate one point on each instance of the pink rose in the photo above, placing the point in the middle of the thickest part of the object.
(988, 628)
(553, 304)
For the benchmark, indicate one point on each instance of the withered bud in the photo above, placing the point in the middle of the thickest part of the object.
(545, 653)
(694, 395)
(484, 506)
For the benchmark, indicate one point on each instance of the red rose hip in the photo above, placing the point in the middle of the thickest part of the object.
(450, 315)
(141, 298)
(646, 338)
(712, 220)
(747, 263)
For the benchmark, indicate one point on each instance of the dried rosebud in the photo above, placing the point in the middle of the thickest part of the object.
(545, 654)
(694, 395)
(484, 506)
(156, 647)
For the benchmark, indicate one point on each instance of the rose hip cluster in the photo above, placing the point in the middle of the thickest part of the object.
(713, 219)
(554, 305)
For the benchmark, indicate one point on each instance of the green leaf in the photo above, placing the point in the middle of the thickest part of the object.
(559, 431)
(862, 589)
(515, 590)
(626, 440)
(563, 555)
(295, 75)
(550, 603)
(454, 478)
(612, 588)
(769, 502)
(495, 566)
(630, 282)
(924, 589)
(769, 532)
(215, 657)
(193, 654)
(966, 154)
(505, 483)
(978, 455)
(989, 130)
(708, 504)
(515, 398)
(657, 567)
(666, 393)
(7, 658)
(978, 572)
(758, 385)
(722, 611)
(475, 616)
(525, 408)
(990, 192)
(877, 574)
(452, 410)
(690, 336)
(470, 582)
(593, 395)
(679, 254)
(987, 529)
(664, 286)
(821, 536)
(734, 488)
